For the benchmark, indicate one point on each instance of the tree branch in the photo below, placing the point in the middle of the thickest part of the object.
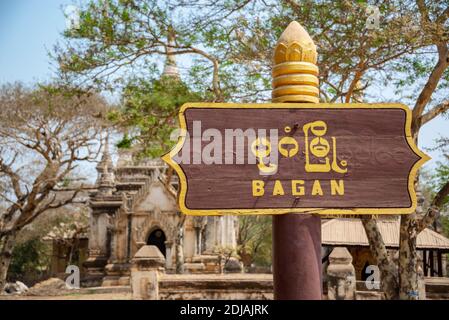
(435, 111)
(13, 176)
(434, 209)
(430, 86)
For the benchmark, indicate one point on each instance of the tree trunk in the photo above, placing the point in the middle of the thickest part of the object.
(387, 268)
(408, 259)
(6, 247)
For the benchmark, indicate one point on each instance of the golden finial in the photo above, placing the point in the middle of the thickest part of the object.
(295, 73)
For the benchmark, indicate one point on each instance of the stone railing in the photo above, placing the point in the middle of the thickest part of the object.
(149, 281)
(142, 163)
(216, 287)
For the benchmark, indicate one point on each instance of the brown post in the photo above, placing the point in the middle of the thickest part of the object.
(440, 263)
(424, 262)
(432, 263)
(297, 270)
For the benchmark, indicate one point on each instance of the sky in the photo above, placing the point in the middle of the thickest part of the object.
(30, 28)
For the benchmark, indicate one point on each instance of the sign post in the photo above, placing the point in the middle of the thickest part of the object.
(295, 159)
(297, 266)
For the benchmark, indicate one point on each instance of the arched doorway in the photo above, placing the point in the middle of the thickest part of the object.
(157, 238)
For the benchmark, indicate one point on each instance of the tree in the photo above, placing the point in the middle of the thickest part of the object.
(432, 182)
(254, 240)
(45, 134)
(120, 36)
(32, 254)
(233, 43)
(438, 180)
(149, 112)
(68, 232)
(404, 283)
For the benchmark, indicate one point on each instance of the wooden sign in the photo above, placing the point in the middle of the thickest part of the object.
(303, 158)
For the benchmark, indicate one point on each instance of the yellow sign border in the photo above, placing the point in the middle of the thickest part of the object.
(327, 211)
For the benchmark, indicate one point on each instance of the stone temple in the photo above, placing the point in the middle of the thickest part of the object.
(135, 205)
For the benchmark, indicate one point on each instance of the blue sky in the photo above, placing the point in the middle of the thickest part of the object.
(29, 29)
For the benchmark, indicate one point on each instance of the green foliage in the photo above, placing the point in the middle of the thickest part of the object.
(240, 35)
(31, 257)
(230, 46)
(30, 260)
(254, 240)
(233, 41)
(445, 224)
(150, 110)
(431, 183)
(439, 178)
(125, 142)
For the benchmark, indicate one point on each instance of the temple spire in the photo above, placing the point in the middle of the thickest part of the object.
(170, 67)
(106, 155)
(105, 168)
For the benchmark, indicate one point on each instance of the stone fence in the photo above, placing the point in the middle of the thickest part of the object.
(216, 287)
(150, 282)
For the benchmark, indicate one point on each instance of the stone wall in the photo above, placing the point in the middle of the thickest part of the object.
(437, 288)
(216, 287)
(150, 282)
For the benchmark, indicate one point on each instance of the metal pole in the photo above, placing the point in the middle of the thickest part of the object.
(297, 268)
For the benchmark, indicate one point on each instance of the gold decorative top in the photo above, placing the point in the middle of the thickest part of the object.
(295, 73)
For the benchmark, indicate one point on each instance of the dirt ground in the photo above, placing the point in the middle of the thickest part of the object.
(73, 296)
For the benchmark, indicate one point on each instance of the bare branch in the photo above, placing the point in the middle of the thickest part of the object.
(434, 209)
(13, 176)
(53, 126)
(430, 86)
(435, 111)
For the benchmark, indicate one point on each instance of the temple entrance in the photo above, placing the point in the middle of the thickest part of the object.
(157, 238)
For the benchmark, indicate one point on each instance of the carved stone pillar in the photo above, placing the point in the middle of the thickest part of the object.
(341, 283)
(118, 268)
(197, 241)
(230, 233)
(180, 251)
(113, 234)
(199, 223)
(148, 265)
(221, 231)
(211, 235)
(98, 251)
(168, 255)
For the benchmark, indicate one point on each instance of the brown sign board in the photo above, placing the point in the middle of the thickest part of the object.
(291, 157)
